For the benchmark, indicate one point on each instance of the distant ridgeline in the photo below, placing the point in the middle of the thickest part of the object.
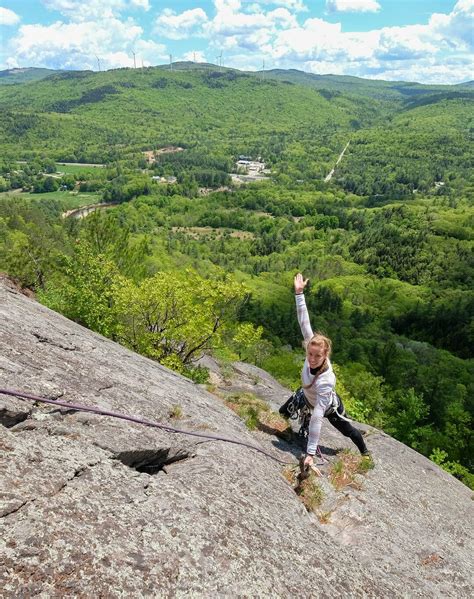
(218, 177)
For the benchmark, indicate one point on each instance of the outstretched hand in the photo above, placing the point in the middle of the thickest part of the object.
(300, 283)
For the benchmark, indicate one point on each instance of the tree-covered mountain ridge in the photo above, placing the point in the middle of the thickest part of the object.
(210, 106)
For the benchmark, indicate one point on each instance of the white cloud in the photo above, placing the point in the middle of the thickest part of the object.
(321, 41)
(144, 4)
(323, 67)
(315, 40)
(282, 18)
(195, 56)
(425, 70)
(352, 5)
(296, 5)
(8, 17)
(90, 10)
(179, 26)
(410, 52)
(76, 45)
(457, 27)
(248, 31)
(227, 5)
(405, 43)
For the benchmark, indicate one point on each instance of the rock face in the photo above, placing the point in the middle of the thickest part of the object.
(98, 507)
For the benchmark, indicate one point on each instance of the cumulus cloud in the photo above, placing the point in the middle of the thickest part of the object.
(231, 28)
(457, 27)
(8, 17)
(426, 70)
(408, 52)
(76, 45)
(144, 4)
(352, 5)
(195, 56)
(227, 5)
(405, 43)
(295, 5)
(179, 26)
(90, 10)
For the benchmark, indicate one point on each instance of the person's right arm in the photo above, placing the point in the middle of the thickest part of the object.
(324, 391)
(301, 310)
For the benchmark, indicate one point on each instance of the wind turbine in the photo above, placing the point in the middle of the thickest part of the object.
(98, 62)
(171, 62)
(134, 61)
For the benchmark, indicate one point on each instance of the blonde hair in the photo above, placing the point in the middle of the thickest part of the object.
(320, 340)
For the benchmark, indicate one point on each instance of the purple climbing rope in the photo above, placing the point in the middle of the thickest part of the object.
(165, 427)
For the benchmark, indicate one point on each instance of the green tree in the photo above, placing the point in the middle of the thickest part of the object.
(248, 342)
(174, 318)
(85, 292)
(407, 411)
(105, 235)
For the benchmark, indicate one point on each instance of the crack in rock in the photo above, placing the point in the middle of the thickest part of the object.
(151, 461)
(77, 473)
(10, 418)
(110, 386)
(42, 339)
(7, 512)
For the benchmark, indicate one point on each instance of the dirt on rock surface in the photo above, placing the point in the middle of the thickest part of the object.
(93, 506)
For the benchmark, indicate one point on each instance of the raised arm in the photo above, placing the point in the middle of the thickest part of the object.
(301, 310)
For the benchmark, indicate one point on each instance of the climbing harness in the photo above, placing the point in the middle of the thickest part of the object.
(165, 427)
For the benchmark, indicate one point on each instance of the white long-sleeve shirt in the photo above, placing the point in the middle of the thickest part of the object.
(320, 394)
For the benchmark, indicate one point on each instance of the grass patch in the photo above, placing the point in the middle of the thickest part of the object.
(343, 472)
(308, 488)
(324, 517)
(366, 464)
(79, 169)
(257, 415)
(311, 493)
(176, 412)
(70, 199)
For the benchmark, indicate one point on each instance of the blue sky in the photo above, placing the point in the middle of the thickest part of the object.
(430, 41)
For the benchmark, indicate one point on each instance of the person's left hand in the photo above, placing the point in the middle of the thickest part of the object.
(308, 461)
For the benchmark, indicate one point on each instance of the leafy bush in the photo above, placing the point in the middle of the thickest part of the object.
(440, 457)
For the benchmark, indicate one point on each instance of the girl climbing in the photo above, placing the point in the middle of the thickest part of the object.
(318, 383)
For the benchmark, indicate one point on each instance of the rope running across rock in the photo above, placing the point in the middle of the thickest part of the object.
(137, 420)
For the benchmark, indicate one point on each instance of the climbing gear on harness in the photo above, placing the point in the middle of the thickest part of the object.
(297, 407)
(291, 408)
(304, 418)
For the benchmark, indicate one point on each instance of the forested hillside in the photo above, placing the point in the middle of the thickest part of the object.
(12, 76)
(190, 259)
